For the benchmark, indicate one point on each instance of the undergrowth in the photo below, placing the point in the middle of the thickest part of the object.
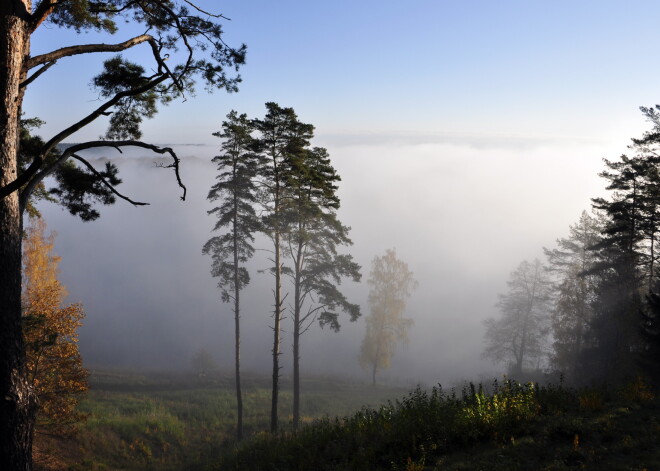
(427, 429)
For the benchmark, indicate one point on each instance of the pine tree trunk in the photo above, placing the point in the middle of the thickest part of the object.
(237, 322)
(17, 401)
(276, 335)
(296, 351)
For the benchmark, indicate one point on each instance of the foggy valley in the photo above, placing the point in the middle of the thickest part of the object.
(478, 211)
(334, 236)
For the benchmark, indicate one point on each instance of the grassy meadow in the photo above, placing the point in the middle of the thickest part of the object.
(165, 421)
(179, 422)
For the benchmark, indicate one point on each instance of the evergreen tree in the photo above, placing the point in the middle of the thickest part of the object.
(311, 242)
(626, 265)
(186, 44)
(282, 136)
(236, 191)
(390, 285)
(573, 294)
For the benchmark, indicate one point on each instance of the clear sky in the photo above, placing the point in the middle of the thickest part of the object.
(468, 135)
(561, 69)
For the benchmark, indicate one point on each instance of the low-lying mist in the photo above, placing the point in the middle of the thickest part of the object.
(462, 215)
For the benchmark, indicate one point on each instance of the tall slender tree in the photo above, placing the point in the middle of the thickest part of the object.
(311, 242)
(282, 136)
(390, 285)
(178, 30)
(236, 192)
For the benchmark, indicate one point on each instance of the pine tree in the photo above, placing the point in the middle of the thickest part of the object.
(314, 234)
(282, 136)
(391, 283)
(236, 189)
(184, 44)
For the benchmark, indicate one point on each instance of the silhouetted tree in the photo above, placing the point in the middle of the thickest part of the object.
(625, 267)
(573, 293)
(178, 30)
(282, 136)
(390, 285)
(518, 337)
(236, 191)
(311, 242)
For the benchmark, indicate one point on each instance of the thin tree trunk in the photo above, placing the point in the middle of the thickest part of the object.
(237, 317)
(17, 400)
(296, 344)
(276, 334)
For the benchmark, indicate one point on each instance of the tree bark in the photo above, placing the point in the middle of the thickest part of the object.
(276, 335)
(17, 400)
(296, 344)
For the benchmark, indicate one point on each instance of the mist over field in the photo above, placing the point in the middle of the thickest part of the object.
(461, 211)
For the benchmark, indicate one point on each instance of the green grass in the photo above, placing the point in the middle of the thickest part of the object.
(176, 422)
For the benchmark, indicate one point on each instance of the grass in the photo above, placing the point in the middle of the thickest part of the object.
(163, 421)
(170, 422)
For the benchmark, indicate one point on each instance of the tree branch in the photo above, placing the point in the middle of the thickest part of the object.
(36, 75)
(23, 178)
(42, 11)
(213, 15)
(86, 49)
(70, 151)
(105, 182)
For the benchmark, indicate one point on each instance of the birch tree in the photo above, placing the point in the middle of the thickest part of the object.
(391, 283)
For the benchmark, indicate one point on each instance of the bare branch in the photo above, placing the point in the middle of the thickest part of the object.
(86, 49)
(70, 151)
(213, 15)
(105, 182)
(36, 75)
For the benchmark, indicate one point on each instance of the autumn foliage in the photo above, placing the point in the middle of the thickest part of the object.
(53, 360)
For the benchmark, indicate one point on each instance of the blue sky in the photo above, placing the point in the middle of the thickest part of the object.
(468, 135)
(560, 69)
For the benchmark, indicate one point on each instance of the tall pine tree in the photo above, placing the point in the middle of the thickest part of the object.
(236, 192)
(282, 136)
(314, 234)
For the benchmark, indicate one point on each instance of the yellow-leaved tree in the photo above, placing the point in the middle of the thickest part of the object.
(50, 332)
(390, 285)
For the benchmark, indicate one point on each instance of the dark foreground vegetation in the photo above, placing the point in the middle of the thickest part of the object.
(179, 422)
(513, 427)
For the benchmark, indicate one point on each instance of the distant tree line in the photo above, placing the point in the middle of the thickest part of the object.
(591, 311)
